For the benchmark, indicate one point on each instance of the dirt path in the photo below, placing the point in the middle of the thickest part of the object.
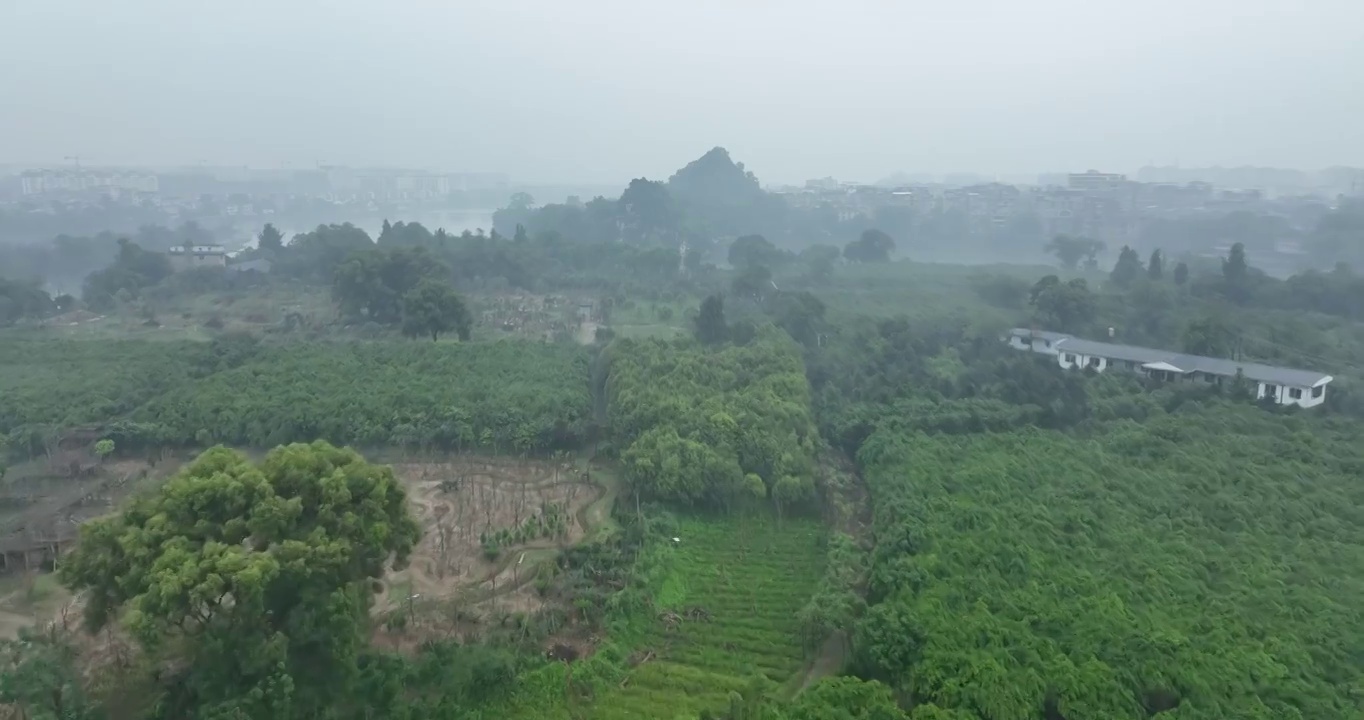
(850, 514)
(11, 623)
(832, 655)
(587, 332)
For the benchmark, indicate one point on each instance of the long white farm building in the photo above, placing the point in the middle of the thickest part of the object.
(1285, 386)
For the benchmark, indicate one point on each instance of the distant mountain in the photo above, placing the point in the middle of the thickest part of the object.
(714, 179)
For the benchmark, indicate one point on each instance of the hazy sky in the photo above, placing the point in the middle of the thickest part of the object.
(604, 90)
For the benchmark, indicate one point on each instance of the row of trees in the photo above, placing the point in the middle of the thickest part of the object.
(345, 257)
(516, 397)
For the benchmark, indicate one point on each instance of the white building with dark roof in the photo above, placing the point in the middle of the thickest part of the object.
(188, 257)
(1285, 386)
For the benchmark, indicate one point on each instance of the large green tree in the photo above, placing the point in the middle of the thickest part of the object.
(257, 578)
(1236, 274)
(1071, 249)
(873, 246)
(710, 322)
(38, 675)
(1155, 268)
(433, 307)
(315, 255)
(1064, 307)
(270, 240)
(372, 285)
(1127, 269)
(133, 269)
(20, 300)
(751, 250)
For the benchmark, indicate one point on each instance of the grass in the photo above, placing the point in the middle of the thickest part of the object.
(640, 319)
(751, 575)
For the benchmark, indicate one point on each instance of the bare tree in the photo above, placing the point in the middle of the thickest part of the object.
(443, 538)
(486, 495)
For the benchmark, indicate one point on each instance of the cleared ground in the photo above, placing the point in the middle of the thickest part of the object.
(459, 577)
(459, 502)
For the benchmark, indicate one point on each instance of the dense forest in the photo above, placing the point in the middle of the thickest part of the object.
(714, 427)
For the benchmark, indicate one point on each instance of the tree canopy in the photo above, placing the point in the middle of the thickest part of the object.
(133, 269)
(259, 574)
(1198, 565)
(873, 246)
(1071, 249)
(433, 307)
(1127, 269)
(694, 423)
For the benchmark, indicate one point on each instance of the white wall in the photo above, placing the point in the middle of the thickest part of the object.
(1282, 395)
(1037, 345)
(1046, 347)
(1081, 361)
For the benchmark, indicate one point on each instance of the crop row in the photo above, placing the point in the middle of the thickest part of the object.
(737, 585)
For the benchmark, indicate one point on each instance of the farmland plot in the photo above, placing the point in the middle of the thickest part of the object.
(726, 613)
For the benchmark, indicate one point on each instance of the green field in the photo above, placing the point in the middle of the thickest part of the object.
(752, 577)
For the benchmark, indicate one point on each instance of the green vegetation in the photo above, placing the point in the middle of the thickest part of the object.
(833, 492)
(508, 397)
(726, 618)
(21, 300)
(698, 622)
(716, 427)
(47, 385)
(514, 397)
(133, 270)
(550, 522)
(256, 577)
(1206, 560)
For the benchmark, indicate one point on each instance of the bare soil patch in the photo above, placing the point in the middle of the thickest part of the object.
(452, 580)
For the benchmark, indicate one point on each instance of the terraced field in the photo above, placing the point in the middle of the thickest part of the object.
(736, 587)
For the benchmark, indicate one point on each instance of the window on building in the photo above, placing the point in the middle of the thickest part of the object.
(1318, 390)
(1271, 390)
(1295, 393)
(1070, 358)
(1094, 362)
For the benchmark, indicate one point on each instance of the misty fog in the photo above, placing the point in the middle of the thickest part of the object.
(607, 90)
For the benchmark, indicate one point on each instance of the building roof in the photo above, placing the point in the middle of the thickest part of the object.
(197, 250)
(1041, 334)
(1180, 362)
